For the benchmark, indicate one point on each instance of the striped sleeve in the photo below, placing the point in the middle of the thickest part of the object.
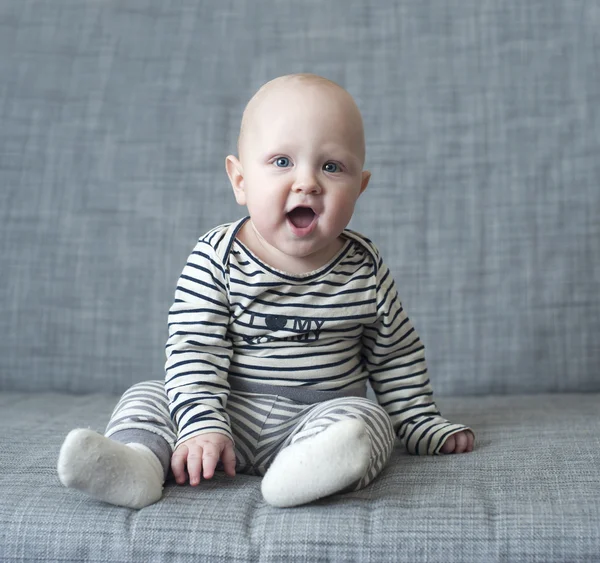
(198, 349)
(395, 359)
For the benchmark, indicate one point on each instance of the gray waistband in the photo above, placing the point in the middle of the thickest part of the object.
(306, 395)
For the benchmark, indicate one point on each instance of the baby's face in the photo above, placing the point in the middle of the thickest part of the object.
(301, 157)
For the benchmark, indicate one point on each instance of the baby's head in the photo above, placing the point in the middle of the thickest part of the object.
(300, 169)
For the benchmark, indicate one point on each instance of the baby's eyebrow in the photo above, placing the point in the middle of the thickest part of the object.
(341, 153)
(277, 151)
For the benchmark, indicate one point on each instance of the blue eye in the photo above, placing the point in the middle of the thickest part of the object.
(331, 167)
(282, 162)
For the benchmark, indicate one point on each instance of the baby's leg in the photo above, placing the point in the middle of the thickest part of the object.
(128, 465)
(341, 445)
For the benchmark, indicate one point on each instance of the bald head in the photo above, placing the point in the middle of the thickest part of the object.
(304, 91)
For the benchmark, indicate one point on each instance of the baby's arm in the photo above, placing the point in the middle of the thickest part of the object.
(198, 356)
(395, 358)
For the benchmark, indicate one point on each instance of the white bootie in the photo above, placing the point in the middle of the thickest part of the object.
(318, 466)
(122, 474)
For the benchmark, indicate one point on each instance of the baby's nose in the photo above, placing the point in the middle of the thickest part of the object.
(307, 184)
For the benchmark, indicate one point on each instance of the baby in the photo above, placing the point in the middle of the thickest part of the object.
(279, 320)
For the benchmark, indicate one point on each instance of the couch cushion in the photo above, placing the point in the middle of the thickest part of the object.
(529, 492)
(483, 135)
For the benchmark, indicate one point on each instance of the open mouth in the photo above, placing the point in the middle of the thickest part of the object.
(301, 217)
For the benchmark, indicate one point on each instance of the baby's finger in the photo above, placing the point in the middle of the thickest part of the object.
(210, 457)
(449, 445)
(194, 464)
(178, 464)
(228, 457)
(471, 441)
(461, 443)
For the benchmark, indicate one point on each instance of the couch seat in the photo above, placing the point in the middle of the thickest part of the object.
(529, 492)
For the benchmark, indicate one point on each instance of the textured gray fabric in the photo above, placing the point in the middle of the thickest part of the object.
(530, 492)
(483, 131)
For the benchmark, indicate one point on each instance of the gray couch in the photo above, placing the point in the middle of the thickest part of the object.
(483, 131)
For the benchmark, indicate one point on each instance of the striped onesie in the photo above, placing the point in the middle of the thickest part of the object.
(268, 358)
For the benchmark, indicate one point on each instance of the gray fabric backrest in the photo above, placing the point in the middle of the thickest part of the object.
(483, 134)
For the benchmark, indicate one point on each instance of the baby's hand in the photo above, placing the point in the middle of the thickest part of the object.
(202, 452)
(459, 443)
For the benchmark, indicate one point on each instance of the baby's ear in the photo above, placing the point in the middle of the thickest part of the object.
(236, 177)
(366, 176)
